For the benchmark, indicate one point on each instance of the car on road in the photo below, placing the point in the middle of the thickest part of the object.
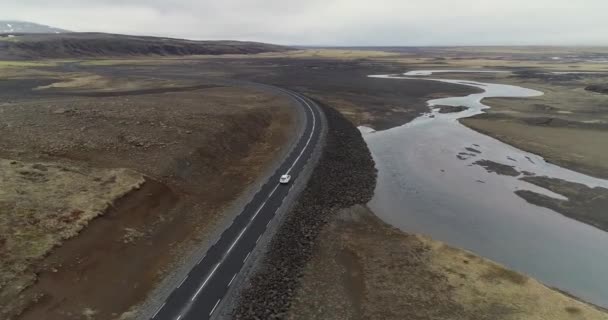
(285, 179)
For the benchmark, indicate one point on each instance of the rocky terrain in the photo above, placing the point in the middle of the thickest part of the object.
(20, 46)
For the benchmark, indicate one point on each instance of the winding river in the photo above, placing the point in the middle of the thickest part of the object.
(428, 183)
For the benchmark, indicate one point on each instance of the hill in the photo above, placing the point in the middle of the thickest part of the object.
(9, 26)
(89, 45)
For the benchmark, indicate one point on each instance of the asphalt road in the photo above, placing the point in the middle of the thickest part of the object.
(201, 291)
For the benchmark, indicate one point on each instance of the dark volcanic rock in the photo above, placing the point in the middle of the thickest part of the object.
(344, 176)
(498, 168)
(599, 88)
(451, 109)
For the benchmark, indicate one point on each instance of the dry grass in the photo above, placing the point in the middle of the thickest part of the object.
(332, 53)
(82, 81)
(15, 72)
(339, 54)
(567, 125)
(78, 81)
(364, 269)
(22, 64)
(43, 204)
(117, 62)
(424, 62)
(489, 291)
(528, 49)
(583, 150)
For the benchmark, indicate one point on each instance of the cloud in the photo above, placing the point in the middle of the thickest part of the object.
(333, 22)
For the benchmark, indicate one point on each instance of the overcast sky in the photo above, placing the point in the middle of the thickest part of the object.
(332, 22)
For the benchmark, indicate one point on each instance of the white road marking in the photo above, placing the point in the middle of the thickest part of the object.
(256, 241)
(234, 276)
(157, 311)
(201, 259)
(205, 282)
(237, 239)
(179, 317)
(231, 247)
(312, 132)
(247, 257)
(263, 204)
(314, 121)
(180, 284)
(215, 306)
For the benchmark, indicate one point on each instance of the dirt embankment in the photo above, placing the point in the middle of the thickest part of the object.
(344, 176)
(364, 269)
(187, 144)
(42, 205)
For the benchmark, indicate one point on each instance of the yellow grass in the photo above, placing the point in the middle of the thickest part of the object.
(117, 62)
(22, 64)
(332, 53)
(481, 282)
(581, 149)
(43, 204)
(365, 269)
(78, 81)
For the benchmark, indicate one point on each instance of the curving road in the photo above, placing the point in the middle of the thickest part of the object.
(200, 293)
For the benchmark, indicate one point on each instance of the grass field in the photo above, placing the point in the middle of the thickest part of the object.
(42, 205)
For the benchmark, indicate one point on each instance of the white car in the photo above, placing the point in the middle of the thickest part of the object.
(285, 179)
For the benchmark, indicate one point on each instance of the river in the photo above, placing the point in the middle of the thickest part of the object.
(428, 184)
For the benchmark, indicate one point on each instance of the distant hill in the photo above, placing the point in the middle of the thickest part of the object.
(7, 26)
(18, 46)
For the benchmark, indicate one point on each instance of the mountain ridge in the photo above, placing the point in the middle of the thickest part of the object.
(16, 26)
(23, 46)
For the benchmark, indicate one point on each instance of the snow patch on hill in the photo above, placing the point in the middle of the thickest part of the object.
(27, 27)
